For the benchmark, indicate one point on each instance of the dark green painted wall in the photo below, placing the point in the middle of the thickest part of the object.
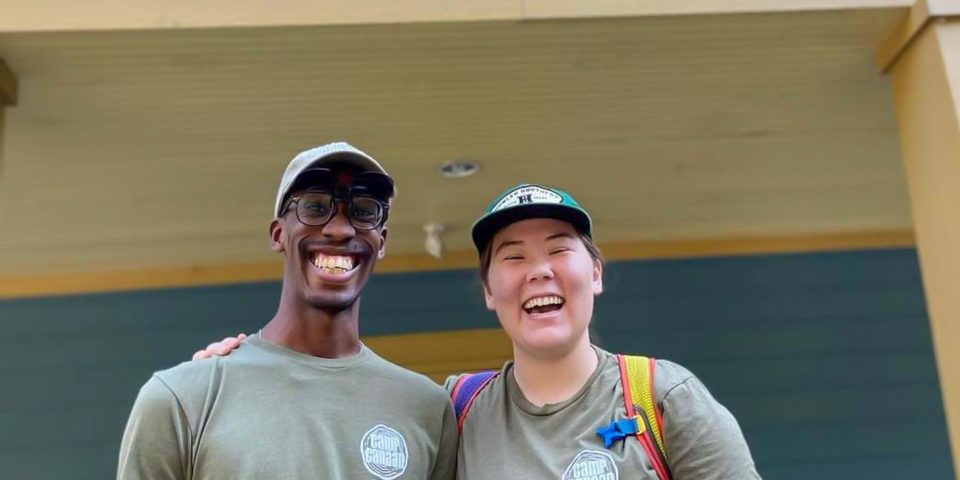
(826, 359)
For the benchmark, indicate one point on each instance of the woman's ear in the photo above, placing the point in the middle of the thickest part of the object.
(597, 277)
(488, 297)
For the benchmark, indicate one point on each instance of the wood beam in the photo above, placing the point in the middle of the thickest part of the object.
(915, 20)
(925, 73)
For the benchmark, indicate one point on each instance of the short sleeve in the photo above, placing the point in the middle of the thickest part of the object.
(445, 467)
(702, 438)
(156, 441)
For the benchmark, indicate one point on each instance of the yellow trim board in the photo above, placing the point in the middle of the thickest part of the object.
(757, 245)
(191, 276)
(111, 281)
(903, 33)
(440, 354)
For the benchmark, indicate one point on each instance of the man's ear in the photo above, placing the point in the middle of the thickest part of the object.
(276, 235)
(382, 252)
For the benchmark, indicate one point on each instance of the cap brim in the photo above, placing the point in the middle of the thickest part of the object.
(361, 161)
(488, 226)
(368, 181)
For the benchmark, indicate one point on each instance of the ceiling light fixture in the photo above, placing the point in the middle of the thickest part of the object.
(459, 168)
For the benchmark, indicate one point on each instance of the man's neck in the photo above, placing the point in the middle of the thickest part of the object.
(546, 380)
(316, 332)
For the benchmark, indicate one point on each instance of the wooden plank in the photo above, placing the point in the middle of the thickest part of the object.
(63, 15)
(196, 275)
(757, 245)
(552, 9)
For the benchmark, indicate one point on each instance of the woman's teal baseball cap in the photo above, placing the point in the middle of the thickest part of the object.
(527, 201)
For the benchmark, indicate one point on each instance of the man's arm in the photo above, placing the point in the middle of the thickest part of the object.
(445, 467)
(156, 442)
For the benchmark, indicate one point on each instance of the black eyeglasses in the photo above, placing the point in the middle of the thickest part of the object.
(317, 208)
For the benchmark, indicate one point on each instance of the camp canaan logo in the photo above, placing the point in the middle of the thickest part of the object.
(384, 452)
(592, 465)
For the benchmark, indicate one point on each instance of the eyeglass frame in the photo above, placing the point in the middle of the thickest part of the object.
(336, 199)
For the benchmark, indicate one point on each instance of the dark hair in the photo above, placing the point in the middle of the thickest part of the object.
(486, 256)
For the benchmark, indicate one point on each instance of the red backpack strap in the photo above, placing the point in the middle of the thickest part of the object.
(465, 391)
(636, 378)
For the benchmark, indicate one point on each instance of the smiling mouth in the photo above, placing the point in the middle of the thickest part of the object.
(545, 304)
(334, 264)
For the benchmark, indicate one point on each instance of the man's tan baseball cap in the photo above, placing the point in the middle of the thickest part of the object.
(340, 153)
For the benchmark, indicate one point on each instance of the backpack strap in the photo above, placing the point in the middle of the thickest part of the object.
(465, 391)
(636, 377)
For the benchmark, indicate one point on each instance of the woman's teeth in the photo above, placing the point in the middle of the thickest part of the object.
(542, 302)
(333, 263)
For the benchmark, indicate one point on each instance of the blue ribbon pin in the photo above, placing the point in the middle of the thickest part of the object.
(617, 430)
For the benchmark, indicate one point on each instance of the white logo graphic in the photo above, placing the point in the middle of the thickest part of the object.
(528, 194)
(592, 465)
(384, 452)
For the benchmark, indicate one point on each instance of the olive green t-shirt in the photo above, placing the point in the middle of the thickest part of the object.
(268, 412)
(506, 436)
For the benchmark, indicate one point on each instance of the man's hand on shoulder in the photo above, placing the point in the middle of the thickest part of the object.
(221, 348)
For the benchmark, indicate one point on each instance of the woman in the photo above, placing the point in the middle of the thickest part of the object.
(558, 410)
(539, 416)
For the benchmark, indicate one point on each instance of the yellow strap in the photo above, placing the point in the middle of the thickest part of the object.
(641, 392)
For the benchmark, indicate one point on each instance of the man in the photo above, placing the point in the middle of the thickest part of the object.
(303, 398)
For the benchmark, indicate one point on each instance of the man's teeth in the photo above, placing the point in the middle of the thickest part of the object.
(333, 263)
(543, 301)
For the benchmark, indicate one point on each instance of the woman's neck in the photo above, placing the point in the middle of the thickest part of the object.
(554, 379)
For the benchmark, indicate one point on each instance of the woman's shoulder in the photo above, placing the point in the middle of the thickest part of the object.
(482, 376)
(668, 376)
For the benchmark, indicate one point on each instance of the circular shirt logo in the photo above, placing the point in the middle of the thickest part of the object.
(592, 465)
(384, 452)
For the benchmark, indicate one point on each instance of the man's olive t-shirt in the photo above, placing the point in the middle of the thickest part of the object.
(268, 412)
(506, 436)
